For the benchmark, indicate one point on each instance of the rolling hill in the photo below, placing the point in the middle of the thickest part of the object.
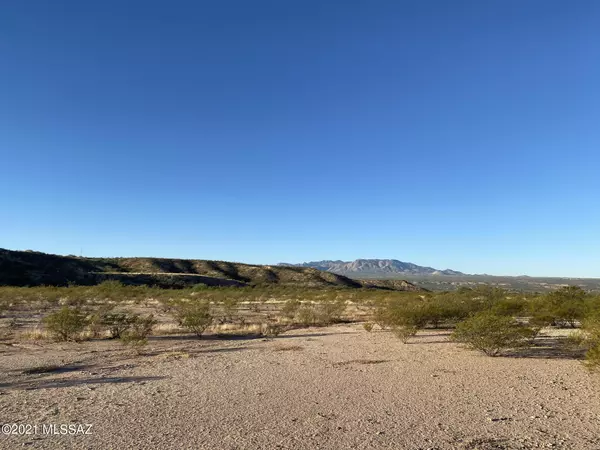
(29, 268)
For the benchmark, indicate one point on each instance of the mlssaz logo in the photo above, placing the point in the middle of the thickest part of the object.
(66, 429)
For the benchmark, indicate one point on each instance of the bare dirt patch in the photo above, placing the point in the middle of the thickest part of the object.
(346, 389)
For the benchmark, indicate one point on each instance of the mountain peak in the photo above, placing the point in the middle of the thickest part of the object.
(376, 267)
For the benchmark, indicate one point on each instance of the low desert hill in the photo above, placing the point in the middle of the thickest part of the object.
(29, 268)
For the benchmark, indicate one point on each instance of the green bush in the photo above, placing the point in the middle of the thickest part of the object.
(194, 316)
(510, 306)
(368, 326)
(290, 308)
(407, 312)
(137, 334)
(567, 305)
(118, 323)
(95, 320)
(491, 333)
(405, 332)
(330, 311)
(307, 315)
(229, 305)
(65, 324)
(590, 331)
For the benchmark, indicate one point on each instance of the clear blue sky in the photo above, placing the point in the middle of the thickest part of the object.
(453, 134)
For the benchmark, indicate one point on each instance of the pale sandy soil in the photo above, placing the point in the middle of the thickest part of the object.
(323, 388)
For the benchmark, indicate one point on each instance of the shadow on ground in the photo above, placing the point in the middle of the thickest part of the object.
(548, 348)
(49, 384)
(235, 336)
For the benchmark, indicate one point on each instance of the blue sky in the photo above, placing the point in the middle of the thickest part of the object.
(461, 134)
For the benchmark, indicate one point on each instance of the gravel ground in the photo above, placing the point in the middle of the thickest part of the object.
(328, 388)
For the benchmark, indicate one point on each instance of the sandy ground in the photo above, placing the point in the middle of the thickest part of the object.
(327, 388)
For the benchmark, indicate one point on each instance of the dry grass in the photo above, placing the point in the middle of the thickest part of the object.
(167, 329)
(35, 334)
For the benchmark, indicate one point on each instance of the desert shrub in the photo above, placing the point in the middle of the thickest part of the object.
(137, 334)
(229, 304)
(381, 317)
(273, 330)
(567, 305)
(538, 321)
(510, 306)
(433, 313)
(368, 326)
(408, 312)
(95, 320)
(592, 358)
(590, 340)
(307, 315)
(138, 330)
(330, 311)
(592, 304)
(118, 323)
(66, 323)
(194, 316)
(166, 303)
(491, 333)
(199, 287)
(405, 332)
(142, 326)
(290, 308)
(110, 290)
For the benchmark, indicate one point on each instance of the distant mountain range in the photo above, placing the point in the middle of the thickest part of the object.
(382, 267)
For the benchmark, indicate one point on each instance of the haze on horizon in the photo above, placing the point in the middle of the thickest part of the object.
(458, 135)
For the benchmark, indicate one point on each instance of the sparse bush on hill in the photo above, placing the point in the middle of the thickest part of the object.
(195, 316)
(368, 326)
(491, 333)
(65, 324)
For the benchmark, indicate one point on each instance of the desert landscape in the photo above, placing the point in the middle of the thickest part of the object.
(334, 225)
(294, 362)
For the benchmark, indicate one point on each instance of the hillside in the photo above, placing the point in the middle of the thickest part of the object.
(28, 268)
(374, 268)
